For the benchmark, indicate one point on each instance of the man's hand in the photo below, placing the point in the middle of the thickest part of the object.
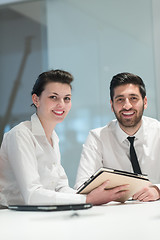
(100, 195)
(151, 193)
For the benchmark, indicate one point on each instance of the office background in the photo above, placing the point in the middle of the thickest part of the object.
(92, 39)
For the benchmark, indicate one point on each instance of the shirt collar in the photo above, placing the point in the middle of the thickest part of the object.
(38, 130)
(140, 134)
(122, 136)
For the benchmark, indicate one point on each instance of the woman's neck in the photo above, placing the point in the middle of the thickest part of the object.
(48, 127)
(48, 131)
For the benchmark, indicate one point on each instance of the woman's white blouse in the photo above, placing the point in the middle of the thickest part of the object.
(30, 168)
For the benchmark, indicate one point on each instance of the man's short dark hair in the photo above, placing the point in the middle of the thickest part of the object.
(127, 78)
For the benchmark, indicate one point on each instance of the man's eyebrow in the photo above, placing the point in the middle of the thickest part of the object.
(118, 96)
(132, 94)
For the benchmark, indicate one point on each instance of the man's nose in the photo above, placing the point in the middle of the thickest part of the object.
(127, 105)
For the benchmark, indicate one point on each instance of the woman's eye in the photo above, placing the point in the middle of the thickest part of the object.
(67, 99)
(53, 97)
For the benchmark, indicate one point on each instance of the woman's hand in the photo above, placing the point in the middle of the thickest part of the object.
(100, 195)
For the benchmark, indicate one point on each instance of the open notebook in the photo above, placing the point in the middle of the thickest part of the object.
(116, 178)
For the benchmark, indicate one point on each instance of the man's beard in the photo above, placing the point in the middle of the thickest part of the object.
(129, 123)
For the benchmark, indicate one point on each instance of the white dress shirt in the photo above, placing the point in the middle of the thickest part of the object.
(109, 147)
(30, 168)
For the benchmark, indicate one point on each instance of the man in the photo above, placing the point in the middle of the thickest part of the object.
(109, 147)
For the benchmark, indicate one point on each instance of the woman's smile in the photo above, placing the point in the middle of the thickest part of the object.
(58, 113)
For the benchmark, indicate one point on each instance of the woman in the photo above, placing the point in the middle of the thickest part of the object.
(30, 168)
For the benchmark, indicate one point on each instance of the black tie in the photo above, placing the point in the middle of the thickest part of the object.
(133, 156)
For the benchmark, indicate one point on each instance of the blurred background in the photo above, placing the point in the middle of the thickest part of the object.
(92, 39)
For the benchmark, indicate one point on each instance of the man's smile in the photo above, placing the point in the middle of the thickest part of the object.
(127, 114)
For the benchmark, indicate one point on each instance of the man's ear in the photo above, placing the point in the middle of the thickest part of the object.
(145, 102)
(111, 105)
(35, 100)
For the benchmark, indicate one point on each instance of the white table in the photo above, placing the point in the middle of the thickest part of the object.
(132, 220)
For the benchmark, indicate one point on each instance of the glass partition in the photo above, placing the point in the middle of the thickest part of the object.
(23, 55)
(95, 40)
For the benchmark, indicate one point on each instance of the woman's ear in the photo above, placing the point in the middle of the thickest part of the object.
(35, 100)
